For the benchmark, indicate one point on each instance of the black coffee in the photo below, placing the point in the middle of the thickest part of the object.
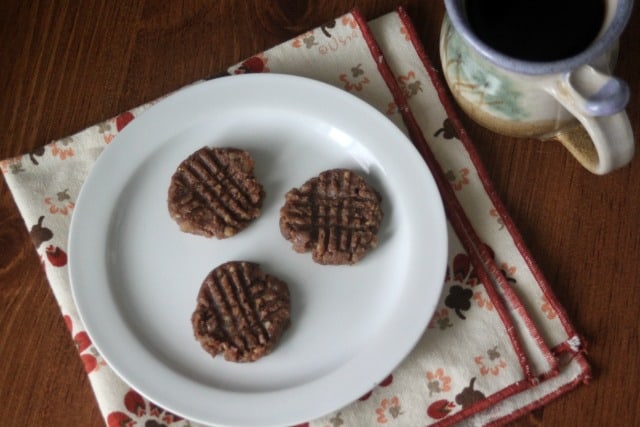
(536, 30)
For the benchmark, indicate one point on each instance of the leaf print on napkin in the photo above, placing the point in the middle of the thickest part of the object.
(355, 82)
(461, 272)
(492, 363)
(336, 421)
(459, 299)
(326, 27)
(438, 382)
(468, 396)
(307, 39)
(104, 127)
(62, 149)
(409, 84)
(388, 407)
(40, 233)
(392, 108)
(13, 166)
(141, 412)
(440, 318)
(37, 152)
(60, 203)
(458, 179)
(447, 130)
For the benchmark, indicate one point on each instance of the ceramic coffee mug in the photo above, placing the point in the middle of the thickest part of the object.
(517, 80)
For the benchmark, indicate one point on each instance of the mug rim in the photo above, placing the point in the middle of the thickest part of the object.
(454, 9)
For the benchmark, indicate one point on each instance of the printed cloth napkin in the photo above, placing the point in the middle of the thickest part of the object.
(499, 344)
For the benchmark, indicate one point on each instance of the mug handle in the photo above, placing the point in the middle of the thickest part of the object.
(605, 141)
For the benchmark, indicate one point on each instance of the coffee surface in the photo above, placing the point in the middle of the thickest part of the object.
(540, 30)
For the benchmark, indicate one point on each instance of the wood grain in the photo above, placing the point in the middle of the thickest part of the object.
(65, 65)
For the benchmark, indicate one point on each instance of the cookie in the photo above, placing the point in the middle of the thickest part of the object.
(214, 192)
(241, 311)
(335, 215)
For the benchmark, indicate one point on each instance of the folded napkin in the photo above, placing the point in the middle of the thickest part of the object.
(499, 344)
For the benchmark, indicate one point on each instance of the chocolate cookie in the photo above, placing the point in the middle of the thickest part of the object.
(335, 215)
(241, 311)
(214, 192)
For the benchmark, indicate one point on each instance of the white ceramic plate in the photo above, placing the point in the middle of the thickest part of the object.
(135, 276)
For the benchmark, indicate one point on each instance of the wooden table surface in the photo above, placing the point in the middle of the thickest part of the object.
(65, 65)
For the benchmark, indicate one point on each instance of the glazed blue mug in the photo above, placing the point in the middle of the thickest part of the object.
(542, 69)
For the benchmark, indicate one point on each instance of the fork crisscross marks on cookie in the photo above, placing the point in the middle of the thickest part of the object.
(241, 311)
(214, 192)
(335, 215)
